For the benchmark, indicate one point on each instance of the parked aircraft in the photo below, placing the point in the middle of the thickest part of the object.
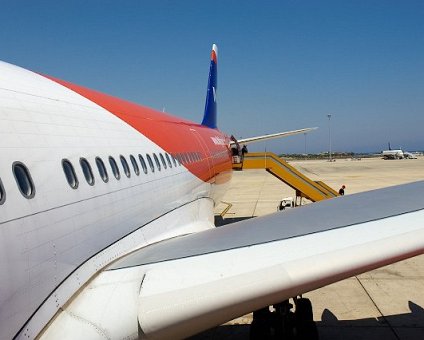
(393, 154)
(106, 222)
(397, 154)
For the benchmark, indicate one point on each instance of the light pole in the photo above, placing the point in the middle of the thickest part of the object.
(329, 137)
(305, 142)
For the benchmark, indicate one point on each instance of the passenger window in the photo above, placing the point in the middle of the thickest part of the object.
(143, 163)
(174, 160)
(23, 179)
(135, 165)
(149, 159)
(114, 167)
(168, 160)
(125, 166)
(102, 169)
(86, 169)
(156, 161)
(70, 175)
(162, 160)
(2, 193)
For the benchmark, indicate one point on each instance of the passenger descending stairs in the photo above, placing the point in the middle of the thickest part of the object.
(304, 186)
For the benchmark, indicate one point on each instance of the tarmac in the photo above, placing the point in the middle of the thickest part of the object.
(387, 303)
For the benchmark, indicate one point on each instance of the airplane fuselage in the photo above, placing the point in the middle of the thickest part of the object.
(86, 178)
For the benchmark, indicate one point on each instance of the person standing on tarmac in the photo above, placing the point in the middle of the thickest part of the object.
(243, 152)
(341, 190)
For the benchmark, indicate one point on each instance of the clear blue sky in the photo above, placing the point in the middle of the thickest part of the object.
(282, 64)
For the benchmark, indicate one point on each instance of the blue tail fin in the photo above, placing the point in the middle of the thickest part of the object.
(209, 118)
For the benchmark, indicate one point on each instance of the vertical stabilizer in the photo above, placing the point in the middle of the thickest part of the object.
(209, 118)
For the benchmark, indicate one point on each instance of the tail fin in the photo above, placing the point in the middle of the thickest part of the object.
(209, 118)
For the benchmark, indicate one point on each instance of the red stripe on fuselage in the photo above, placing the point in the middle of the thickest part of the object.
(175, 135)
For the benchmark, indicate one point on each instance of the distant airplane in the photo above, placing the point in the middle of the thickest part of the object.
(107, 229)
(392, 154)
(397, 154)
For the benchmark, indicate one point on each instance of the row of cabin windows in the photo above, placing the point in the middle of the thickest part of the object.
(165, 162)
(27, 188)
(188, 157)
(162, 161)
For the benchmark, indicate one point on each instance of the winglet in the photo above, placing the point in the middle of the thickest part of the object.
(209, 118)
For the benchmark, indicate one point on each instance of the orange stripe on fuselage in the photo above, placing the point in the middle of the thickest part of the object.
(175, 135)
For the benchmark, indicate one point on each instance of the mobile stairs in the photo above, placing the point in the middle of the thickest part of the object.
(303, 185)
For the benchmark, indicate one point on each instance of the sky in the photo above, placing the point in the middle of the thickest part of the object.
(282, 65)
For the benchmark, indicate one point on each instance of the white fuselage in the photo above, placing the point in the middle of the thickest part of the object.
(51, 244)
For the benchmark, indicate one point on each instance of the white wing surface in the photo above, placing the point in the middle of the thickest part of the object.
(182, 286)
(273, 136)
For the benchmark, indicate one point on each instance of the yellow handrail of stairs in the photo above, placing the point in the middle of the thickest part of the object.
(314, 191)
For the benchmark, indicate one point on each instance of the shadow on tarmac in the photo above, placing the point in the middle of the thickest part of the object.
(220, 221)
(400, 326)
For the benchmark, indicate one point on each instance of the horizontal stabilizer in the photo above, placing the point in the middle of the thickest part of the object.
(273, 135)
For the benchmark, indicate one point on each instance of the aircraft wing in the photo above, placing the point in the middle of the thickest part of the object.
(184, 285)
(273, 135)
